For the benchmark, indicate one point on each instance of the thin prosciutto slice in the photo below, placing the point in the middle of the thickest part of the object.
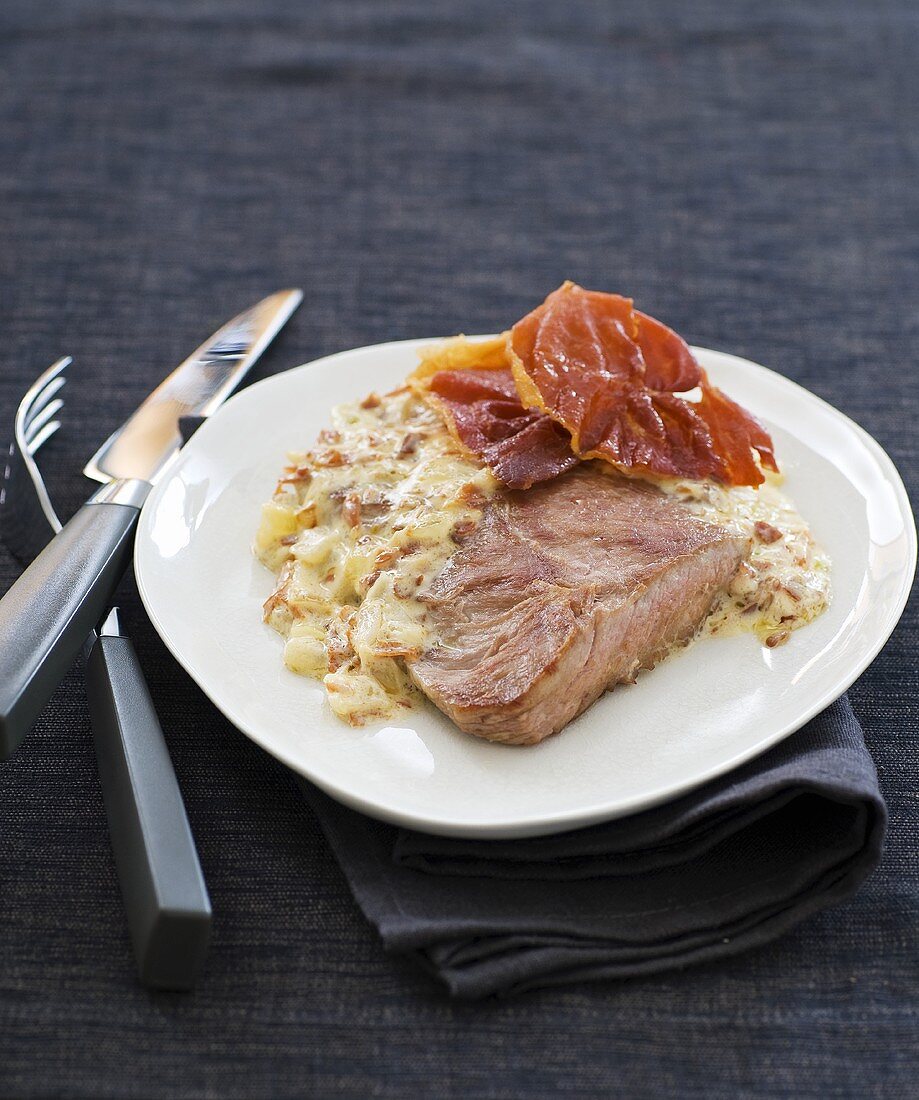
(482, 410)
(612, 377)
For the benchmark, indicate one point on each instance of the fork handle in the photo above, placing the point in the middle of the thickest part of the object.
(165, 898)
(47, 614)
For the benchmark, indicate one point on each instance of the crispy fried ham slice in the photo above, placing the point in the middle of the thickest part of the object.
(472, 388)
(483, 412)
(669, 364)
(587, 376)
(612, 377)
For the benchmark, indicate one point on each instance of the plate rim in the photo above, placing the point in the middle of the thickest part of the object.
(582, 816)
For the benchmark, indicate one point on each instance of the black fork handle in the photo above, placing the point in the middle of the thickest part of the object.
(47, 614)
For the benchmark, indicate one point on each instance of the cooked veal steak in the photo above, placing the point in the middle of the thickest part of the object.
(561, 592)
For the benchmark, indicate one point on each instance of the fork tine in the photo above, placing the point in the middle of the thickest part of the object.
(37, 397)
(42, 436)
(27, 515)
(37, 422)
(42, 398)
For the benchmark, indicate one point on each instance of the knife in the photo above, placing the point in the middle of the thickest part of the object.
(165, 896)
(49, 611)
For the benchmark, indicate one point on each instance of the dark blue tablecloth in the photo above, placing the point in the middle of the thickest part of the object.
(747, 171)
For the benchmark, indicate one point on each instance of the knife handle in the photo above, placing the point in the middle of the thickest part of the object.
(165, 897)
(47, 614)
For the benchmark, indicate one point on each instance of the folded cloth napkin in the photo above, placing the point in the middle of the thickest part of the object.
(727, 867)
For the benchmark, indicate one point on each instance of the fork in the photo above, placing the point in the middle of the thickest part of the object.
(25, 508)
(165, 897)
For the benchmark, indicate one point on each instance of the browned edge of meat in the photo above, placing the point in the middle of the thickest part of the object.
(563, 591)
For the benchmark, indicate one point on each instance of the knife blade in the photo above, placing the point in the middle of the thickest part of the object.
(145, 444)
(46, 615)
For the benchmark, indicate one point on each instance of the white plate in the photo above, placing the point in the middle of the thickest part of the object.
(700, 713)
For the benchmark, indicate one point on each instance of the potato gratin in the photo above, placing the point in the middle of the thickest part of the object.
(785, 581)
(357, 530)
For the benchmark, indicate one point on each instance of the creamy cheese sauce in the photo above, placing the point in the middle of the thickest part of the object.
(356, 530)
(360, 526)
(785, 582)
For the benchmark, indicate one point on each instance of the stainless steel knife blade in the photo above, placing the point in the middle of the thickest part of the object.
(144, 445)
(50, 609)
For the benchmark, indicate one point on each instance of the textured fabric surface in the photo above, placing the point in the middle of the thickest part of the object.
(726, 868)
(746, 170)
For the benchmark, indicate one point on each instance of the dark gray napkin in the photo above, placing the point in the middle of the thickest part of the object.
(725, 868)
